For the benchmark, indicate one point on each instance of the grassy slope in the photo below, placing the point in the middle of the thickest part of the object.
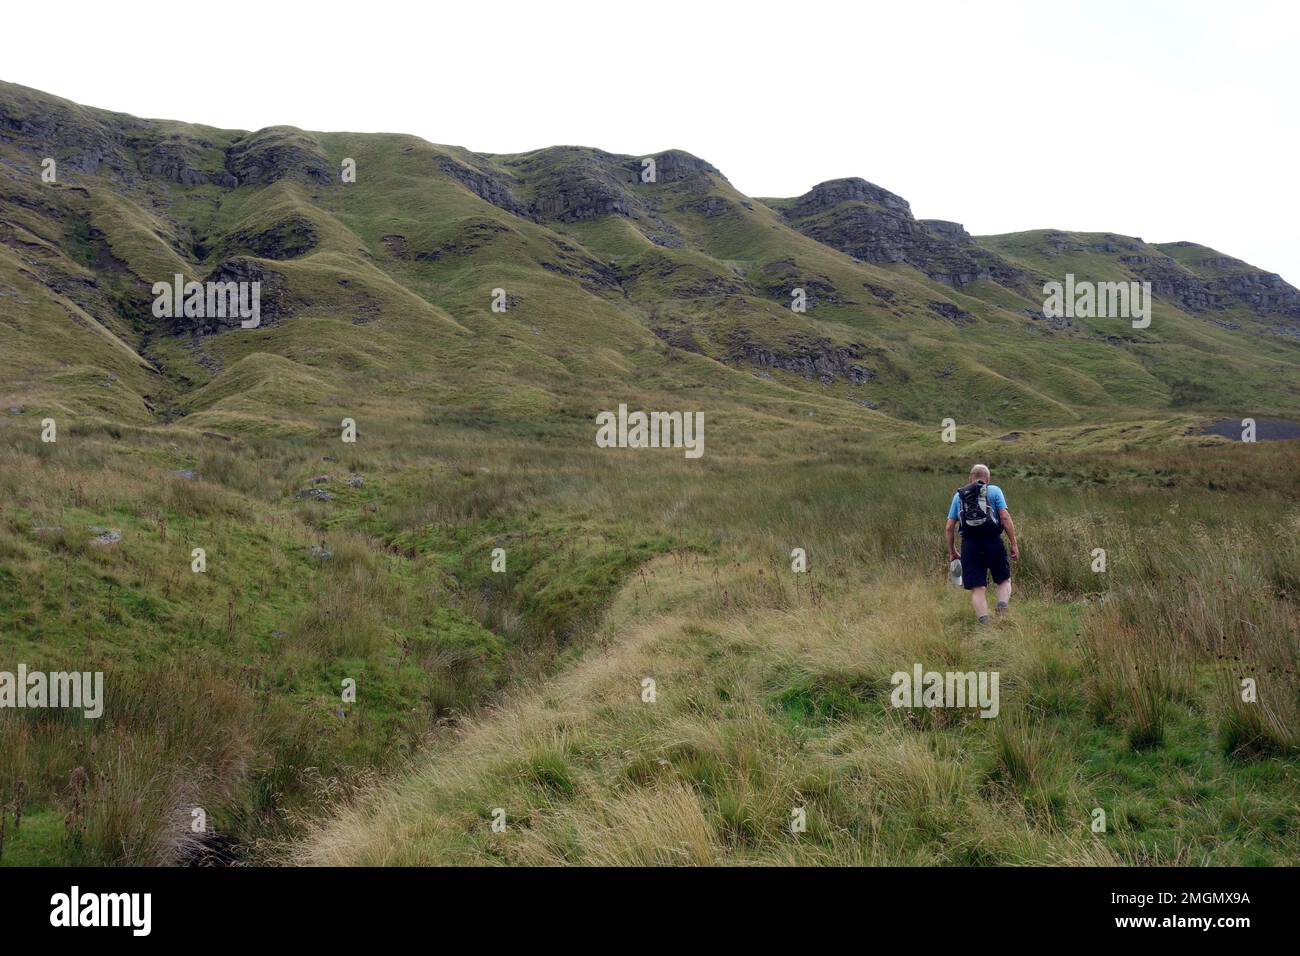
(772, 694)
(475, 432)
(369, 313)
(1198, 362)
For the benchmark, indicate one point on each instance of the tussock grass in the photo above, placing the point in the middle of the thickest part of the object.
(769, 703)
(520, 689)
(773, 687)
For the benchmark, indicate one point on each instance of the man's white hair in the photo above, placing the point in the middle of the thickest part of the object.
(979, 472)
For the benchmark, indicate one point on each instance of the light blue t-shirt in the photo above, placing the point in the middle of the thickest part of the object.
(997, 500)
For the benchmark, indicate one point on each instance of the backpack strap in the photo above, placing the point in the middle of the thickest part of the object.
(984, 520)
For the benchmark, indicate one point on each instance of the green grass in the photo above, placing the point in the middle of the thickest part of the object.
(519, 689)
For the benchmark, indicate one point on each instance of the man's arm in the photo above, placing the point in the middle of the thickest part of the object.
(1005, 517)
(948, 534)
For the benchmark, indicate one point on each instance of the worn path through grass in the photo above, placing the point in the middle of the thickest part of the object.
(766, 704)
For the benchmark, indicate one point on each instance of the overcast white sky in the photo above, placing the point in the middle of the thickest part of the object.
(1165, 120)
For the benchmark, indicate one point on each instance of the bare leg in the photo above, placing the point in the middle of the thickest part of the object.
(1004, 591)
(979, 601)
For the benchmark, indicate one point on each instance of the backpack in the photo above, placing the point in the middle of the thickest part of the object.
(974, 512)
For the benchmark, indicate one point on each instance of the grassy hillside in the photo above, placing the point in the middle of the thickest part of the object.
(481, 686)
(611, 281)
(1119, 691)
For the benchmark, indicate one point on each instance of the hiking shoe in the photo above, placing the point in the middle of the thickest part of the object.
(984, 618)
(1002, 608)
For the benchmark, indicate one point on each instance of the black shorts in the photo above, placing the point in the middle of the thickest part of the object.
(980, 557)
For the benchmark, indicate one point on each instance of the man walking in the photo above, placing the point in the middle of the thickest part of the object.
(981, 510)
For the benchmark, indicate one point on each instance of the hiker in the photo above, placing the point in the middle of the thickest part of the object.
(981, 510)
